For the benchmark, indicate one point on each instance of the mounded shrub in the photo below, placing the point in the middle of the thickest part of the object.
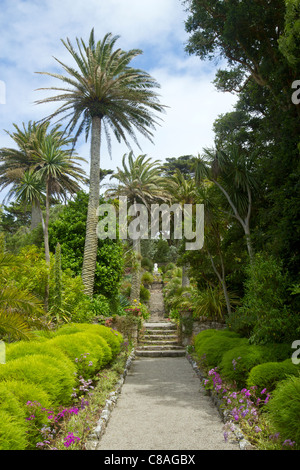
(19, 395)
(237, 362)
(112, 337)
(147, 278)
(284, 409)
(10, 404)
(52, 375)
(26, 392)
(214, 343)
(268, 375)
(90, 352)
(28, 348)
(12, 432)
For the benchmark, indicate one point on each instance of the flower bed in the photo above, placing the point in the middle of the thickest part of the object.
(51, 401)
(246, 410)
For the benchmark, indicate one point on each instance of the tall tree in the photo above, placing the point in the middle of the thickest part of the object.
(15, 170)
(140, 181)
(56, 166)
(105, 93)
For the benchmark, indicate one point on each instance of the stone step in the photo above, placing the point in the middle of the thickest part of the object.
(159, 347)
(159, 337)
(161, 353)
(160, 341)
(160, 331)
(160, 326)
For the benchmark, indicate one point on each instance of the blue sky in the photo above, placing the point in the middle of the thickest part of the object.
(31, 33)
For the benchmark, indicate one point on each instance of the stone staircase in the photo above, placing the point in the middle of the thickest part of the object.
(159, 337)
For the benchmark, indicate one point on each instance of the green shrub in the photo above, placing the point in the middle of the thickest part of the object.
(268, 375)
(28, 348)
(284, 409)
(83, 349)
(113, 338)
(10, 404)
(147, 264)
(12, 432)
(147, 278)
(214, 345)
(25, 393)
(264, 316)
(52, 375)
(237, 362)
(144, 294)
(42, 335)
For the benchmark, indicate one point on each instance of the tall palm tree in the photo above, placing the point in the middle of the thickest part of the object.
(182, 191)
(140, 181)
(55, 166)
(15, 170)
(103, 93)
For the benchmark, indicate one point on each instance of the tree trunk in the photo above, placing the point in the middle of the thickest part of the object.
(136, 274)
(91, 240)
(46, 243)
(221, 279)
(185, 281)
(35, 215)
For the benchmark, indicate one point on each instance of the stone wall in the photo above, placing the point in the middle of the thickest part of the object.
(189, 327)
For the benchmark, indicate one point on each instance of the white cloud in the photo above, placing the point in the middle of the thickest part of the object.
(30, 36)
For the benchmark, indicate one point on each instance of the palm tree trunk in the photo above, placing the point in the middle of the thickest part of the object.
(185, 281)
(136, 274)
(46, 243)
(35, 215)
(91, 240)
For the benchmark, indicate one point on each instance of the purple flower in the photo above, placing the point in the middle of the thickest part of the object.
(288, 442)
(70, 439)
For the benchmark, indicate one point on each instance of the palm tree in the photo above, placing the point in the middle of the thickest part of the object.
(15, 170)
(55, 166)
(141, 183)
(182, 191)
(104, 93)
(232, 173)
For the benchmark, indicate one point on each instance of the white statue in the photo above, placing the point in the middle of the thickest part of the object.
(155, 268)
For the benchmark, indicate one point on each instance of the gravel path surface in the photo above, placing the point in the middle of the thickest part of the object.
(163, 406)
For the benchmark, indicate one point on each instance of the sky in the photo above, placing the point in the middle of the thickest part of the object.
(31, 33)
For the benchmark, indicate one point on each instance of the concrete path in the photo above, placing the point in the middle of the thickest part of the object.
(163, 406)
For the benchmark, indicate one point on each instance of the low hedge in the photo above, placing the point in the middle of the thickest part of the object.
(212, 344)
(113, 338)
(16, 397)
(284, 409)
(12, 432)
(28, 348)
(55, 377)
(237, 363)
(268, 375)
(83, 349)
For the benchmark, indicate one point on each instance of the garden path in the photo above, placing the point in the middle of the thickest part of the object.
(162, 405)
